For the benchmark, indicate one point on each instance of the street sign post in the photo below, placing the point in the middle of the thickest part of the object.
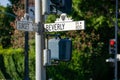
(25, 25)
(64, 26)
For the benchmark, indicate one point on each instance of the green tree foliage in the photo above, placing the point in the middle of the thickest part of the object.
(6, 16)
(12, 63)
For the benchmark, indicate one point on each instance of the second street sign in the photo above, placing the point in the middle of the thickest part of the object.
(25, 25)
(64, 26)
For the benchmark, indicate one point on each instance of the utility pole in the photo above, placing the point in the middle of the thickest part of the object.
(26, 63)
(116, 32)
(39, 42)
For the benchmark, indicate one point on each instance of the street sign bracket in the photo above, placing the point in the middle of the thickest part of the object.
(63, 18)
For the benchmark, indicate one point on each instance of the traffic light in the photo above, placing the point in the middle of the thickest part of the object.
(64, 6)
(112, 44)
(61, 49)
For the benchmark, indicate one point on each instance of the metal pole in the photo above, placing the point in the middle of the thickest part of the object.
(116, 31)
(26, 63)
(39, 42)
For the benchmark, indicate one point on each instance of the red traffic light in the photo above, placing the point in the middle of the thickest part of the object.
(112, 42)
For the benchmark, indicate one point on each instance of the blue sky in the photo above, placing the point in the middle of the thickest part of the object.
(4, 2)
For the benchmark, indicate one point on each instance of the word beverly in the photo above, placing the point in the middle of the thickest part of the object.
(55, 27)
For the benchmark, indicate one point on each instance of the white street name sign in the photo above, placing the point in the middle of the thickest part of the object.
(64, 26)
(25, 25)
